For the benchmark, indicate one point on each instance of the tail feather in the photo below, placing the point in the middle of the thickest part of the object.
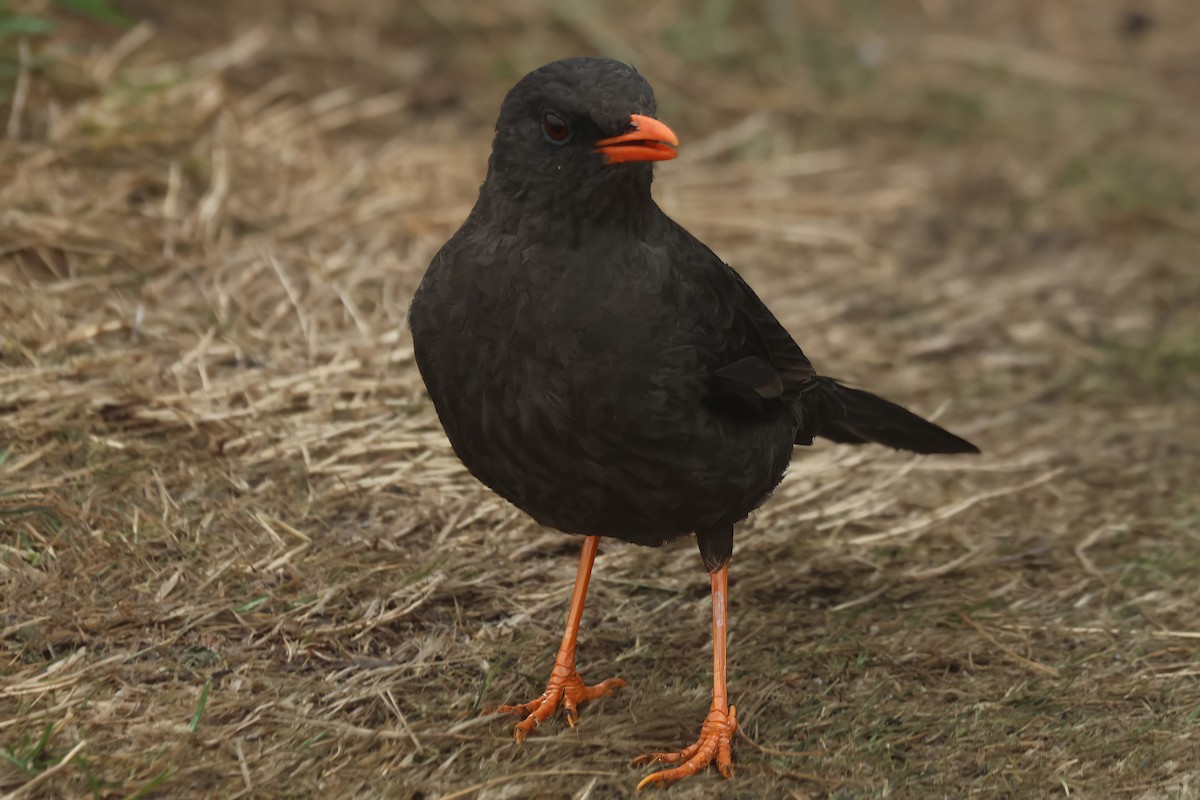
(852, 416)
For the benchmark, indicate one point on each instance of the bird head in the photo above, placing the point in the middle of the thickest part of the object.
(574, 126)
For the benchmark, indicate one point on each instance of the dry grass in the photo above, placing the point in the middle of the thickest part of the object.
(239, 559)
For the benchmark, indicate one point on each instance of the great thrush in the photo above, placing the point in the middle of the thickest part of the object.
(600, 368)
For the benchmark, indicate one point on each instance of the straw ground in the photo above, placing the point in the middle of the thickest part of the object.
(239, 559)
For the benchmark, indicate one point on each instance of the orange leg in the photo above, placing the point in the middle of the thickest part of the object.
(565, 687)
(721, 723)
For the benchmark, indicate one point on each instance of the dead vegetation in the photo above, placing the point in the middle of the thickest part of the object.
(239, 559)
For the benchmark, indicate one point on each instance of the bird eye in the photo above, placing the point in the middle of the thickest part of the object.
(555, 128)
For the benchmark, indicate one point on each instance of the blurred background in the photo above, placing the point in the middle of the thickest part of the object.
(240, 559)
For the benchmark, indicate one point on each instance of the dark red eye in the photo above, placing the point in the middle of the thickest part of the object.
(556, 128)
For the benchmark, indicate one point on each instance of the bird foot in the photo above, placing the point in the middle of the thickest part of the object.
(715, 742)
(565, 688)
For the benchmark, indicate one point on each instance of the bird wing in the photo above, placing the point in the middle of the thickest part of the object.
(761, 371)
(778, 351)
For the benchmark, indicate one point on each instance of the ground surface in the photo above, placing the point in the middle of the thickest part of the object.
(237, 557)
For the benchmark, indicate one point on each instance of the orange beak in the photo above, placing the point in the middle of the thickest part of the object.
(647, 140)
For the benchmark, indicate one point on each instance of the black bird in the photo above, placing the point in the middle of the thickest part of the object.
(599, 367)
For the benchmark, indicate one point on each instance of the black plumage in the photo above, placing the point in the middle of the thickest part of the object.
(597, 365)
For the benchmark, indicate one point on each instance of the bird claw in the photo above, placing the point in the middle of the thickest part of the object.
(565, 688)
(715, 740)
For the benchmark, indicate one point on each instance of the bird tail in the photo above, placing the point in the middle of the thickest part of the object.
(852, 416)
